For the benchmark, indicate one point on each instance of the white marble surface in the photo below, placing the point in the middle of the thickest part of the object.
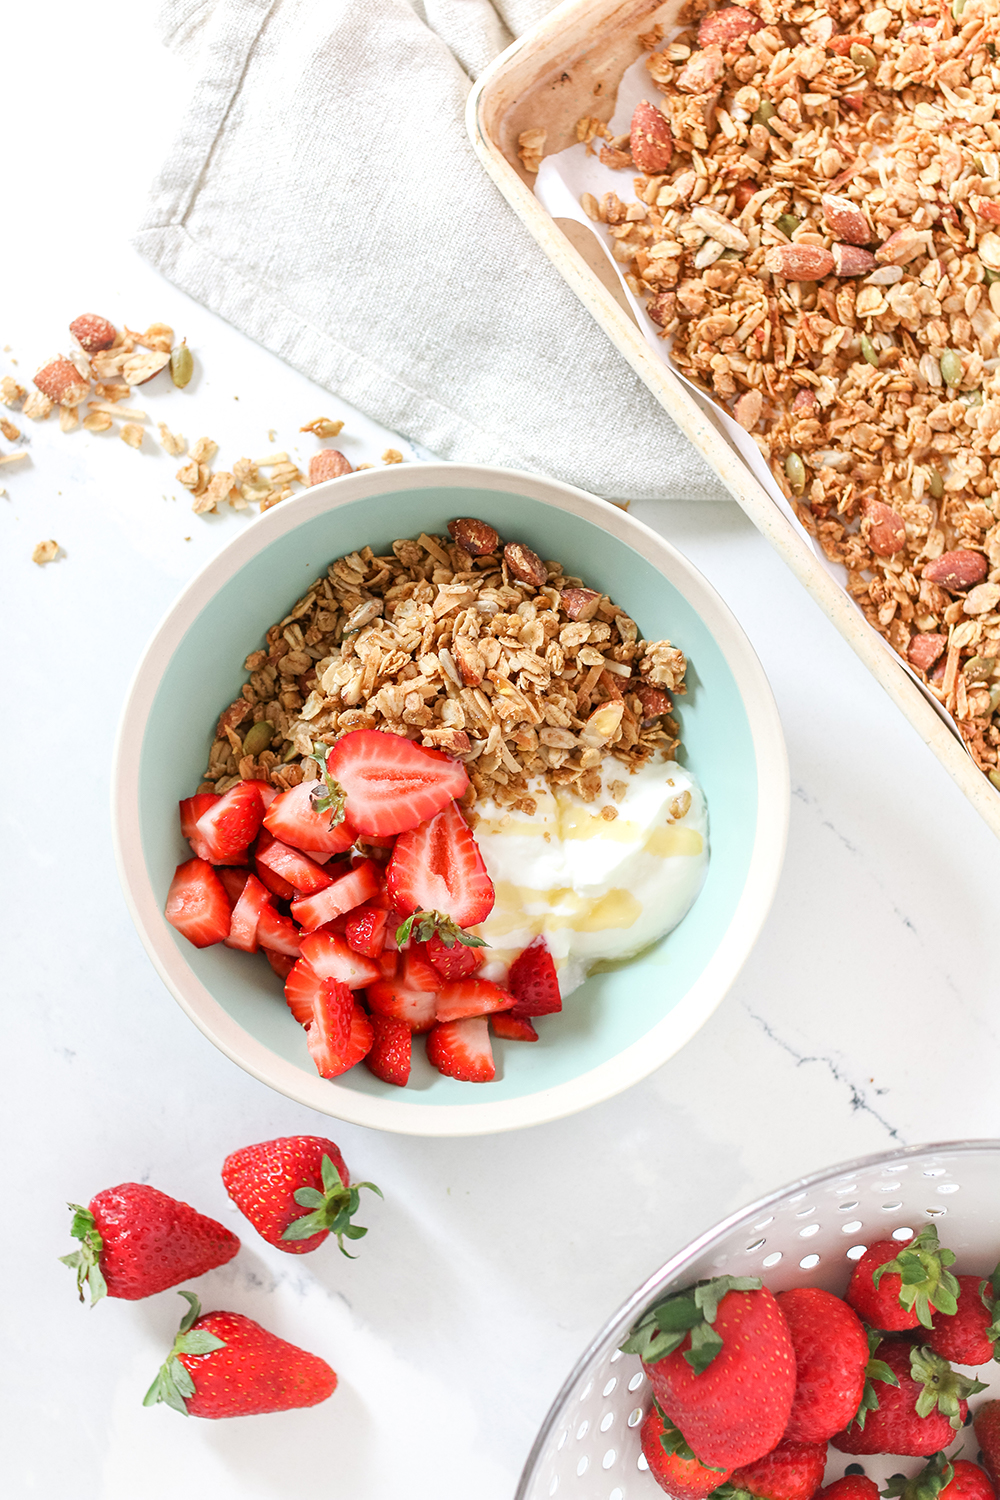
(865, 1017)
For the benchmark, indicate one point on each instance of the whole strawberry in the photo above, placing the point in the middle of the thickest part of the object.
(900, 1284)
(671, 1462)
(918, 1415)
(272, 1182)
(943, 1479)
(851, 1487)
(225, 1365)
(136, 1240)
(968, 1336)
(831, 1356)
(792, 1471)
(986, 1426)
(720, 1360)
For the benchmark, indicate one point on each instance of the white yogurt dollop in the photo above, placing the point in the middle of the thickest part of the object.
(597, 887)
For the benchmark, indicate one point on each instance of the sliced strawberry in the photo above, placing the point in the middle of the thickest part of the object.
(281, 963)
(302, 987)
(197, 904)
(438, 868)
(278, 933)
(410, 996)
(268, 793)
(470, 997)
(318, 856)
(390, 783)
(328, 1034)
(391, 1053)
(329, 956)
(513, 1028)
(456, 962)
(246, 914)
(275, 883)
(461, 1049)
(343, 895)
(232, 823)
(191, 809)
(331, 1060)
(291, 865)
(532, 981)
(293, 819)
(233, 881)
(366, 930)
(388, 962)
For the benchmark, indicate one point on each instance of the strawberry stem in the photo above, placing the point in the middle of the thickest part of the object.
(331, 1209)
(665, 1326)
(927, 1284)
(926, 1485)
(86, 1261)
(173, 1384)
(331, 797)
(943, 1387)
(422, 926)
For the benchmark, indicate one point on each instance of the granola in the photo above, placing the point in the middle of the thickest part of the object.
(821, 247)
(444, 643)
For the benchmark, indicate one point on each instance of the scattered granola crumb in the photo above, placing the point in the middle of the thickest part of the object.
(188, 476)
(392, 456)
(45, 552)
(97, 421)
(38, 407)
(322, 427)
(10, 432)
(171, 442)
(69, 418)
(204, 450)
(132, 434)
(359, 467)
(330, 464)
(530, 148)
(11, 394)
(12, 458)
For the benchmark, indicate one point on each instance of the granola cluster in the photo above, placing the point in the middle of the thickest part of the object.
(478, 649)
(817, 229)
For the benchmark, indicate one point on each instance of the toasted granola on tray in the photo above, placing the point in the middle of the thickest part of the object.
(817, 232)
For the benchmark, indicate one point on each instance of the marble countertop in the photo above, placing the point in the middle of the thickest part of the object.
(865, 1018)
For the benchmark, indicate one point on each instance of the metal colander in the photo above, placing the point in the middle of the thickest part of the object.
(808, 1233)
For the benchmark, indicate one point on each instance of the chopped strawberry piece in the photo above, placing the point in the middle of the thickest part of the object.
(330, 957)
(328, 1034)
(461, 1049)
(232, 823)
(281, 963)
(301, 989)
(293, 819)
(366, 930)
(532, 981)
(470, 997)
(191, 809)
(275, 883)
(513, 1028)
(278, 933)
(233, 881)
(390, 783)
(391, 1053)
(331, 1060)
(306, 877)
(410, 996)
(318, 856)
(246, 915)
(197, 904)
(343, 895)
(438, 867)
(456, 962)
(388, 962)
(268, 793)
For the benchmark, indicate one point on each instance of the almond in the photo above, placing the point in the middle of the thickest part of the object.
(580, 604)
(986, 208)
(474, 536)
(723, 27)
(743, 192)
(845, 219)
(841, 45)
(651, 141)
(524, 565)
(663, 308)
(702, 72)
(957, 570)
(924, 650)
(654, 701)
(851, 260)
(805, 401)
(60, 381)
(329, 464)
(471, 663)
(799, 262)
(885, 530)
(748, 409)
(93, 333)
(901, 247)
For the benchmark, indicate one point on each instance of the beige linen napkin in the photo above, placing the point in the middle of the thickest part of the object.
(323, 196)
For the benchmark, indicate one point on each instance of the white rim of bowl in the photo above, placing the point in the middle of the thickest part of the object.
(627, 1067)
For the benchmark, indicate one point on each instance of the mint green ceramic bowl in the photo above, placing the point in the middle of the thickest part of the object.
(622, 1024)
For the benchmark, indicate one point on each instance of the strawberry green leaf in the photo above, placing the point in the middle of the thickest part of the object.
(422, 926)
(332, 1209)
(989, 1294)
(943, 1387)
(663, 1327)
(329, 795)
(927, 1284)
(86, 1261)
(926, 1485)
(876, 1369)
(199, 1341)
(173, 1384)
(672, 1441)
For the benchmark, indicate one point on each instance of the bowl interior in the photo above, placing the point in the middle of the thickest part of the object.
(205, 672)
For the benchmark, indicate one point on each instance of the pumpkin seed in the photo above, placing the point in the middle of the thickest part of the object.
(787, 223)
(258, 737)
(978, 668)
(764, 113)
(868, 350)
(973, 398)
(994, 776)
(935, 484)
(994, 699)
(951, 367)
(181, 365)
(956, 9)
(863, 57)
(991, 276)
(795, 470)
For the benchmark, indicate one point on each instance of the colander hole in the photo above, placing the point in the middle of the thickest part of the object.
(936, 1211)
(586, 1390)
(615, 1357)
(582, 1430)
(892, 1208)
(948, 1187)
(636, 1380)
(616, 1494)
(562, 1438)
(641, 1463)
(848, 1187)
(608, 1459)
(854, 1469)
(885, 1187)
(582, 1466)
(851, 1228)
(610, 1386)
(902, 1234)
(607, 1420)
(757, 1245)
(763, 1223)
(772, 1259)
(856, 1252)
(635, 1417)
(845, 1208)
(808, 1261)
(808, 1232)
(796, 1198)
(554, 1485)
(934, 1171)
(803, 1213)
